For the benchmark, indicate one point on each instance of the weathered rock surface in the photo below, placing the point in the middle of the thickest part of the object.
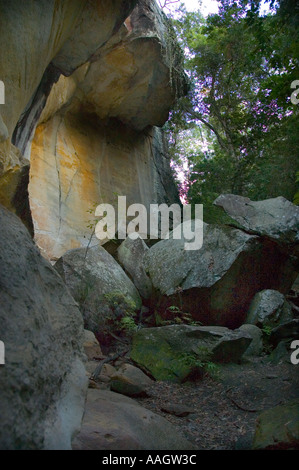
(281, 354)
(256, 346)
(176, 409)
(135, 375)
(217, 282)
(89, 275)
(288, 330)
(67, 33)
(137, 75)
(275, 218)
(175, 352)
(124, 386)
(130, 255)
(90, 163)
(112, 421)
(278, 428)
(91, 345)
(130, 381)
(95, 138)
(43, 382)
(269, 308)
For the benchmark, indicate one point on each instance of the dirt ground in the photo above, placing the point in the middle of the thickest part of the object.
(225, 408)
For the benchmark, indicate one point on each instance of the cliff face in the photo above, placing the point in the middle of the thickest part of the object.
(83, 94)
(88, 129)
(36, 34)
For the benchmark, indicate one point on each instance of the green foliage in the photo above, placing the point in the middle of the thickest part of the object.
(173, 315)
(237, 128)
(92, 222)
(120, 304)
(174, 308)
(201, 359)
(84, 291)
(174, 59)
(122, 311)
(267, 330)
(127, 323)
(267, 346)
(296, 197)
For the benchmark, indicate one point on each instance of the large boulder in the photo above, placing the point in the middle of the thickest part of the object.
(130, 255)
(112, 421)
(256, 346)
(286, 331)
(138, 74)
(278, 428)
(177, 352)
(217, 282)
(97, 282)
(135, 375)
(130, 381)
(275, 218)
(269, 308)
(43, 381)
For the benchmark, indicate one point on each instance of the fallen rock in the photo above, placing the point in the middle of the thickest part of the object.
(288, 330)
(130, 381)
(278, 428)
(176, 409)
(89, 275)
(121, 384)
(107, 372)
(277, 218)
(269, 308)
(281, 353)
(91, 345)
(216, 283)
(130, 255)
(177, 352)
(43, 382)
(256, 346)
(112, 421)
(135, 375)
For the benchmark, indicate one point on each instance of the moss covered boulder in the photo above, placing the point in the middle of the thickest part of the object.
(278, 428)
(177, 352)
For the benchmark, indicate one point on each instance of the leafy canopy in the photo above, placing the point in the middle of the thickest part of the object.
(237, 130)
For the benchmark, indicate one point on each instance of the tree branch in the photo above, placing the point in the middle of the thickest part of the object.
(166, 2)
(198, 116)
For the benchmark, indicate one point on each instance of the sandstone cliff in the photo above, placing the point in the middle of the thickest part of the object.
(86, 82)
(89, 96)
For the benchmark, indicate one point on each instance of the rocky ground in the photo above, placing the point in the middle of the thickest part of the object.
(224, 409)
(220, 412)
